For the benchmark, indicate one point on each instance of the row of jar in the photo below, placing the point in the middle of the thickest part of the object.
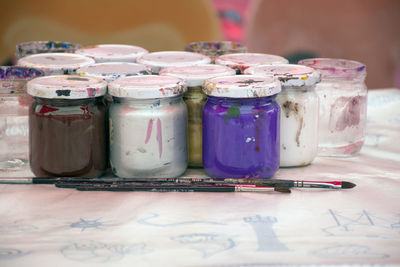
(241, 131)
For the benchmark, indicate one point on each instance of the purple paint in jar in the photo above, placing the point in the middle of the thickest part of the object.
(241, 127)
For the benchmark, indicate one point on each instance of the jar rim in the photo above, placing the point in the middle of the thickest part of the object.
(112, 52)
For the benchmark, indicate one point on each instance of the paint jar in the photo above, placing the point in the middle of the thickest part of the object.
(299, 111)
(242, 61)
(14, 106)
(148, 127)
(194, 76)
(157, 61)
(38, 47)
(55, 63)
(241, 127)
(343, 105)
(215, 49)
(67, 126)
(112, 52)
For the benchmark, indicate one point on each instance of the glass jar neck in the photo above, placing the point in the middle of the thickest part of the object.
(155, 102)
(68, 102)
(254, 101)
(298, 89)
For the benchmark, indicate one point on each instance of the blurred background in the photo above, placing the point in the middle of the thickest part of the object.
(362, 30)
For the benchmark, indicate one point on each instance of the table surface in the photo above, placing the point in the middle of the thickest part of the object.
(41, 225)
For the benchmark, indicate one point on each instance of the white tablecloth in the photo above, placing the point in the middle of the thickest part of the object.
(41, 225)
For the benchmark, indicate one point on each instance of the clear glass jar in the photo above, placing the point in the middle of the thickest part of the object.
(343, 105)
(55, 63)
(148, 127)
(112, 52)
(194, 76)
(157, 61)
(241, 127)
(67, 126)
(38, 47)
(299, 111)
(241, 61)
(215, 49)
(14, 106)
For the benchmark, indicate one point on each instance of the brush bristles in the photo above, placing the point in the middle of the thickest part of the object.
(346, 185)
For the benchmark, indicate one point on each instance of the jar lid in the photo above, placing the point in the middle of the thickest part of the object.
(288, 74)
(147, 87)
(67, 87)
(214, 49)
(196, 75)
(19, 73)
(112, 70)
(112, 52)
(160, 60)
(336, 68)
(50, 62)
(242, 86)
(37, 47)
(243, 61)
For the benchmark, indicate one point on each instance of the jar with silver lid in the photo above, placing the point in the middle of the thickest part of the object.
(112, 52)
(343, 105)
(148, 127)
(299, 111)
(55, 63)
(38, 47)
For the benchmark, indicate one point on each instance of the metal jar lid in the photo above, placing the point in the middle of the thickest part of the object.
(112, 52)
(147, 87)
(67, 87)
(110, 71)
(243, 61)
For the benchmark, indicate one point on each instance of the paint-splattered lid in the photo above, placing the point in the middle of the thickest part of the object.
(147, 87)
(196, 75)
(242, 86)
(67, 87)
(242, 61)
(288, 74)
(112, 52)
(55, 61)
(334, 68)
(112, 70)
(164, 59)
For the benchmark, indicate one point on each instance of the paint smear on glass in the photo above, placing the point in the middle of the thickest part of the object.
(159, 136)
(149, 129)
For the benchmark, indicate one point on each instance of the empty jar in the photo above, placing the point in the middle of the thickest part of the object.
(343, 105)
(55, 63)
(242, 61)
(38, 47)
(241, 127)
(14, 106)
(194, 76)
(299, 111)
(157, 61)
(148, 127)
(67, 126)
(112, 52)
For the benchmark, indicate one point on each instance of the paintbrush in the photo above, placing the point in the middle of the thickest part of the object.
(279, 183)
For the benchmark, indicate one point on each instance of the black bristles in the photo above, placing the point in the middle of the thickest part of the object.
(346, 185)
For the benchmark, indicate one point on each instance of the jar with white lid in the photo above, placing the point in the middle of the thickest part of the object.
(164, 59)
(343, 105)
(215, 49)
(299, 111)
(112, 52)
(242, 61)
(241, 126)
(14, 106)
(194, 76)
(55, 63)
(148, 127)
(67, 126)
(38, 47)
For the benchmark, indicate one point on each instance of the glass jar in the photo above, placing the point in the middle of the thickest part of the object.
(38, 47)
(343, 105)
(55, 63)
(242, 61)
(194, 76)
(215, 49)
(299, 111)
(67, 126)
(241, 127)
(164, 59)
(148, 127)
(14, 106)
(112, 52)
